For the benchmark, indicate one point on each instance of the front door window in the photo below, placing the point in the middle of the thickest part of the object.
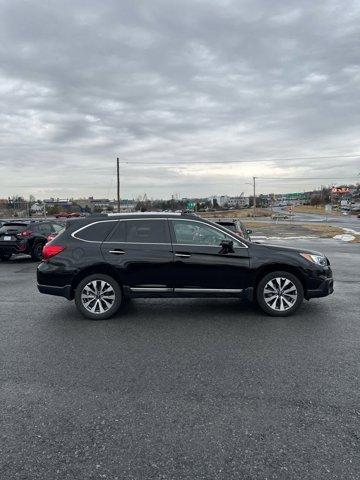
(196, 233)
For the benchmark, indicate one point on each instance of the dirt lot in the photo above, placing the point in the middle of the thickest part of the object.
(244, 213)
(296, 230)
(317, 209)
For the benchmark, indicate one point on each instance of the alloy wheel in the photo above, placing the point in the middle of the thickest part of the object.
(98, 296)
(280, 294)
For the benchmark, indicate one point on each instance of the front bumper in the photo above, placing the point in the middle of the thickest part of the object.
(324, 289)
(64, 291)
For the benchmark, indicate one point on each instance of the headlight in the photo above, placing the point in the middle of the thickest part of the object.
(318, 259)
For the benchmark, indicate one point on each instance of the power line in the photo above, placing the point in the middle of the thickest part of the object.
(306, 178)
(269, 159)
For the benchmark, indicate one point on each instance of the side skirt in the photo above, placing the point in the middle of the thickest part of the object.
(162, 292)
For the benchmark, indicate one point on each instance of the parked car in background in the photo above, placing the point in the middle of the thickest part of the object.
(237, 227)
(280, 216)
(101, 261)
(68, 215)
(27, 237)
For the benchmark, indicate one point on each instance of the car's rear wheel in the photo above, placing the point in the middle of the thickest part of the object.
(36, 252)
(98, 297)
(5, 256)
(280, 294)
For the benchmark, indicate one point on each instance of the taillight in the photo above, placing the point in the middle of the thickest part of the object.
(26, 233)
(51, 250)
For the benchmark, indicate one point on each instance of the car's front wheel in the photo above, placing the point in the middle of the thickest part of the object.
(98, 297)
(5, 256)
(280, 294)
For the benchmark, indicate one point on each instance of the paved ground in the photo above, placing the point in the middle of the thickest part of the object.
(344, 221)
(181, 389)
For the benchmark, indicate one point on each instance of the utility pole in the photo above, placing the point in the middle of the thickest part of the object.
(118, 183)
(254, 206)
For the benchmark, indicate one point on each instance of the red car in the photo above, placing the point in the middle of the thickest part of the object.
(68, 215)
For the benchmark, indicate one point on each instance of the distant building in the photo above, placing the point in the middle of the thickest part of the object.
(92, 204)
(37, 208)
(58, 202)
(231, 202)
(239, 202)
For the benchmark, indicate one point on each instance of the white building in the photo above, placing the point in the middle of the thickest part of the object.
(37, 208)
(232, 202)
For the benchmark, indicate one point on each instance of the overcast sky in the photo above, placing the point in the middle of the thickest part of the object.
(179, 83)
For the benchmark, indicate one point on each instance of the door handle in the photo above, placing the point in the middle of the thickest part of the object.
(183, 255)
(117, 252)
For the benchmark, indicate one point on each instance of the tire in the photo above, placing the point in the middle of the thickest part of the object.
(5, 256)
(279, 294)
(89, 300)
(36, 252)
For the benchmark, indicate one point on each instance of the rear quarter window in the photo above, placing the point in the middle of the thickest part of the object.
(96, 232)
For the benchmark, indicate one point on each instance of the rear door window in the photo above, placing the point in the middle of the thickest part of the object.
(147, 231)
(119, 234)
(57, 228)
(44, 229)
(95, 232)
(13, 227)
(141, 231)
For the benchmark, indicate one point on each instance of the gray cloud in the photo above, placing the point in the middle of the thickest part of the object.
(82, 82)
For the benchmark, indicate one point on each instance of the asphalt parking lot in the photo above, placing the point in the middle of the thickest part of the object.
(181, 389)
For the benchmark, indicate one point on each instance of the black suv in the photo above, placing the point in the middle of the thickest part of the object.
(27, 237)
(100, 261)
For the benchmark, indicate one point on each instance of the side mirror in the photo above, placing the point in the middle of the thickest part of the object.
(227, 246)
(249, 231)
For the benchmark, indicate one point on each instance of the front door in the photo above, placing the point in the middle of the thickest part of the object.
(141, 251)
(200, 263)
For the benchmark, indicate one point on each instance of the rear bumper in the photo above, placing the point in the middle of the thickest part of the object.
(9, 248)
(14, 247)
(324, 289)
(64, 291)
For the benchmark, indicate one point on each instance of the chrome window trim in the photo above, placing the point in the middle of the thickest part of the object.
(139, 243)
(157, 243)
(118, 220)
(73, 235)
(211, 226)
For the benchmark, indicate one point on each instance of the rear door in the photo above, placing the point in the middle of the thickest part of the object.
(201, 263)
(141, 251)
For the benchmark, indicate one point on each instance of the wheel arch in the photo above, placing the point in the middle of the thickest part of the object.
(102, 268)
(278, 267)
(34, 242)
